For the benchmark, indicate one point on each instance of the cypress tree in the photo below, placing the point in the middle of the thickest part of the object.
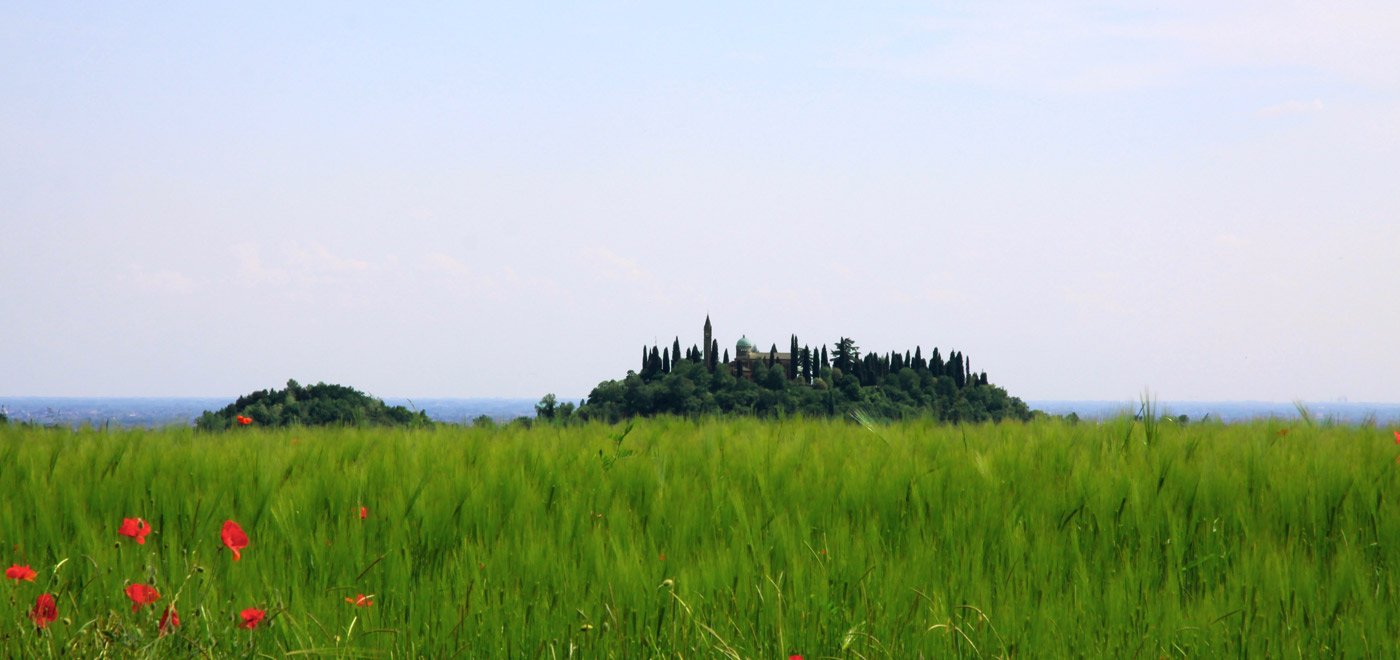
(772, 355)
(935, 362)
(654, 362)
(676, 350)
(918, 358)
(792, 359)
(714, 354)
(665, 360)
(825, 364)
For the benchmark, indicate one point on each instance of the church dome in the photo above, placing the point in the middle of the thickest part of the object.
(744, 344)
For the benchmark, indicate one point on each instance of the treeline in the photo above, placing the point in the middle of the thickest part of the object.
(317, 405)
(813, 383)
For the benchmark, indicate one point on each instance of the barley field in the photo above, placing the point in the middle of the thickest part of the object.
(716, 538)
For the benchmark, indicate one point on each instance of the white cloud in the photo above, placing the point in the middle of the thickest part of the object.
(310, 266)
(617, 267)
(1291, 108)
(318, 259)
(250, 266)
(1082, 47)
(159, 281)
(461, 276)
(441, 263)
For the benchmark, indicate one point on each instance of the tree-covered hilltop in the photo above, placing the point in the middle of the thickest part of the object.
(804, 380)
(318, 405)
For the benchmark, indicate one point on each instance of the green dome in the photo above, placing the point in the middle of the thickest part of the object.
(744, 343)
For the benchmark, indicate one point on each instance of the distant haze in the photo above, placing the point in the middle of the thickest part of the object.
(154, 412)
(504, 200)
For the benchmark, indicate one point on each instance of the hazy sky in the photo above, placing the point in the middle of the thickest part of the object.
(505, 199)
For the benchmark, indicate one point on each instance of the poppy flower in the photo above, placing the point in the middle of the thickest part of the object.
(244, 420)
(141, 594)
(1282, 432)
(364, 513)
(251, 618)
(794, 657)
(17, 572)
(360, 600)
(1397, 437)
(234, 538)
(135, 528)
(44, 612)
(170, 619)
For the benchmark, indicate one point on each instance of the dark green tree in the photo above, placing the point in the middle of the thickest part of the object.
(546, 407)
(792, 359)
(845, 355)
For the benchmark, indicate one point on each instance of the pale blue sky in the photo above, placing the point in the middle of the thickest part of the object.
(1086, 198)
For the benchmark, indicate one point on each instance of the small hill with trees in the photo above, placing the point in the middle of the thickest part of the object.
(317, 405)
(891, 385)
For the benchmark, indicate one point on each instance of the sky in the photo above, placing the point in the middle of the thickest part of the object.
(1087, 199)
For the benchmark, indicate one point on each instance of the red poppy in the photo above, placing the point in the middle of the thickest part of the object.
(135, 528)
(360, 600)
(141, 594)
(251, 618)
(364, 513)
(169, 620)
(44, 612)
(1282, 431)
(18, 572)
(244, 420)
(1397, 437)
(234, 538)
(794, 657)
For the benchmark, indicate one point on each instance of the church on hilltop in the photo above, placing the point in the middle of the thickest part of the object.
(747, 356)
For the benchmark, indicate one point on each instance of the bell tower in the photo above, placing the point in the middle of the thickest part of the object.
(706, 345)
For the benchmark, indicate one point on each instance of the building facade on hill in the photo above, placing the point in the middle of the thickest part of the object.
(746, 356)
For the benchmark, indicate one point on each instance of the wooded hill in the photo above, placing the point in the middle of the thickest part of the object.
(317, 405)
(890, 385)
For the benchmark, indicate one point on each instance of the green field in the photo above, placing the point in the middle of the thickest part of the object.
(712, 539)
